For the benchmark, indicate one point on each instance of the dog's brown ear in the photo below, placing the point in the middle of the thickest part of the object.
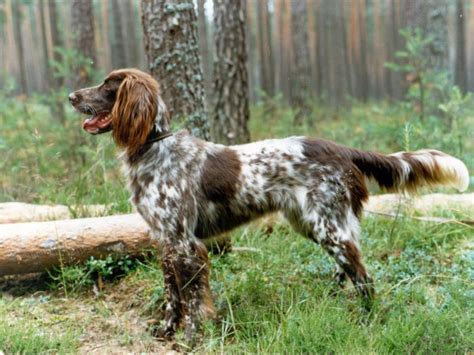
(134, 113)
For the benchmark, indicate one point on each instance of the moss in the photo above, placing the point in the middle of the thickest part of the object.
(175, 8)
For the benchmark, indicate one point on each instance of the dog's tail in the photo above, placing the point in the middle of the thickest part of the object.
(406, 171)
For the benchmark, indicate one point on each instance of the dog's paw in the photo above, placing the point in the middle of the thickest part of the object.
(159, 331)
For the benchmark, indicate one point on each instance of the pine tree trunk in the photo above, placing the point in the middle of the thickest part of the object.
(322, 39)
(206, 53)
(437, 26)
(106, 51)
(83, 38)
(379, 51)
(44, 45)
(276, 44)
(344, 76)
(313, 6)
(357, 47)
(460, 71)
(231, 113)
(266, 60)
(252, 50)
(397, 41)
(119, 55)
(301, 66)
(172, 51)
(470, 47)
(56, 39)
(131, 40)
(432, 17)
(17, 18)
(3, 57)
(30, 40)
(415, 14)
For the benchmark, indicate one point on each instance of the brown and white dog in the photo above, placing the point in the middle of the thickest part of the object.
(188, 190)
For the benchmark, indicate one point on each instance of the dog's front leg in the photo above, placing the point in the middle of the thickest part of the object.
(186, 273)
(174, 305)
(196, 289)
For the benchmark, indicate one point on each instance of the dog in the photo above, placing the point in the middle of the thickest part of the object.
(189, 190)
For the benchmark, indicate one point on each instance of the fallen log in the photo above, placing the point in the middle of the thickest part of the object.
(18, 212)
(439, 220)
(36, 246)
(426, 204)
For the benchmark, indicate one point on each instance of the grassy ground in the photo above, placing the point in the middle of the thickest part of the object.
(275, 297)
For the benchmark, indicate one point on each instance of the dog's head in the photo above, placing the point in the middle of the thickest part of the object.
(128, 103)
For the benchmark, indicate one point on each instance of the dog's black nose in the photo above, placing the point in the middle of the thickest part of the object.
(73, 98)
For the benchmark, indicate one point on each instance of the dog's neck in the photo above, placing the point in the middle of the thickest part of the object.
(162, 124)
(156, 136)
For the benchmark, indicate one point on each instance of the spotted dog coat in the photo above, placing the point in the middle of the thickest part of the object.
(188, 190)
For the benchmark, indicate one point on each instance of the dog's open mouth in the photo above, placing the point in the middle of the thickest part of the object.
(99, 123)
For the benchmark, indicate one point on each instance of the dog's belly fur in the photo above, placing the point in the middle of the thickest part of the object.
(224, 220)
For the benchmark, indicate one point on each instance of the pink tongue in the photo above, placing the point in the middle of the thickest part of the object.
(90, 125)
(94, 124)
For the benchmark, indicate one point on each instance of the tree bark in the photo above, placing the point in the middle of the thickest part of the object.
(276, 44)
(56, 40)
(130, 36)
(206, 52)
(301, 66)
(379, 51)
(119, 55)
(313, 7)
(19, 212)
(414, 14)
(83, 38)
(470, 47)
(231, 112)
(252, 46)
(36, 246)
(266, 59)
(31, 42)
(437, 26)
(172, 52)
(105, 34)
(460, 70)
(17, 18)
(397, 79)
(44, 45)
(357, 47)
(432, 17)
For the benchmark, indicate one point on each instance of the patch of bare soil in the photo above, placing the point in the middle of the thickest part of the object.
(110, 322)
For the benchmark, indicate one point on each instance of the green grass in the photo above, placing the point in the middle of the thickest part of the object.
(21, 332)
(275, 299)
(278, 298)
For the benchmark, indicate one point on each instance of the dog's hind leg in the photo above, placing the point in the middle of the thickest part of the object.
(331, 223)
(339, 238)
